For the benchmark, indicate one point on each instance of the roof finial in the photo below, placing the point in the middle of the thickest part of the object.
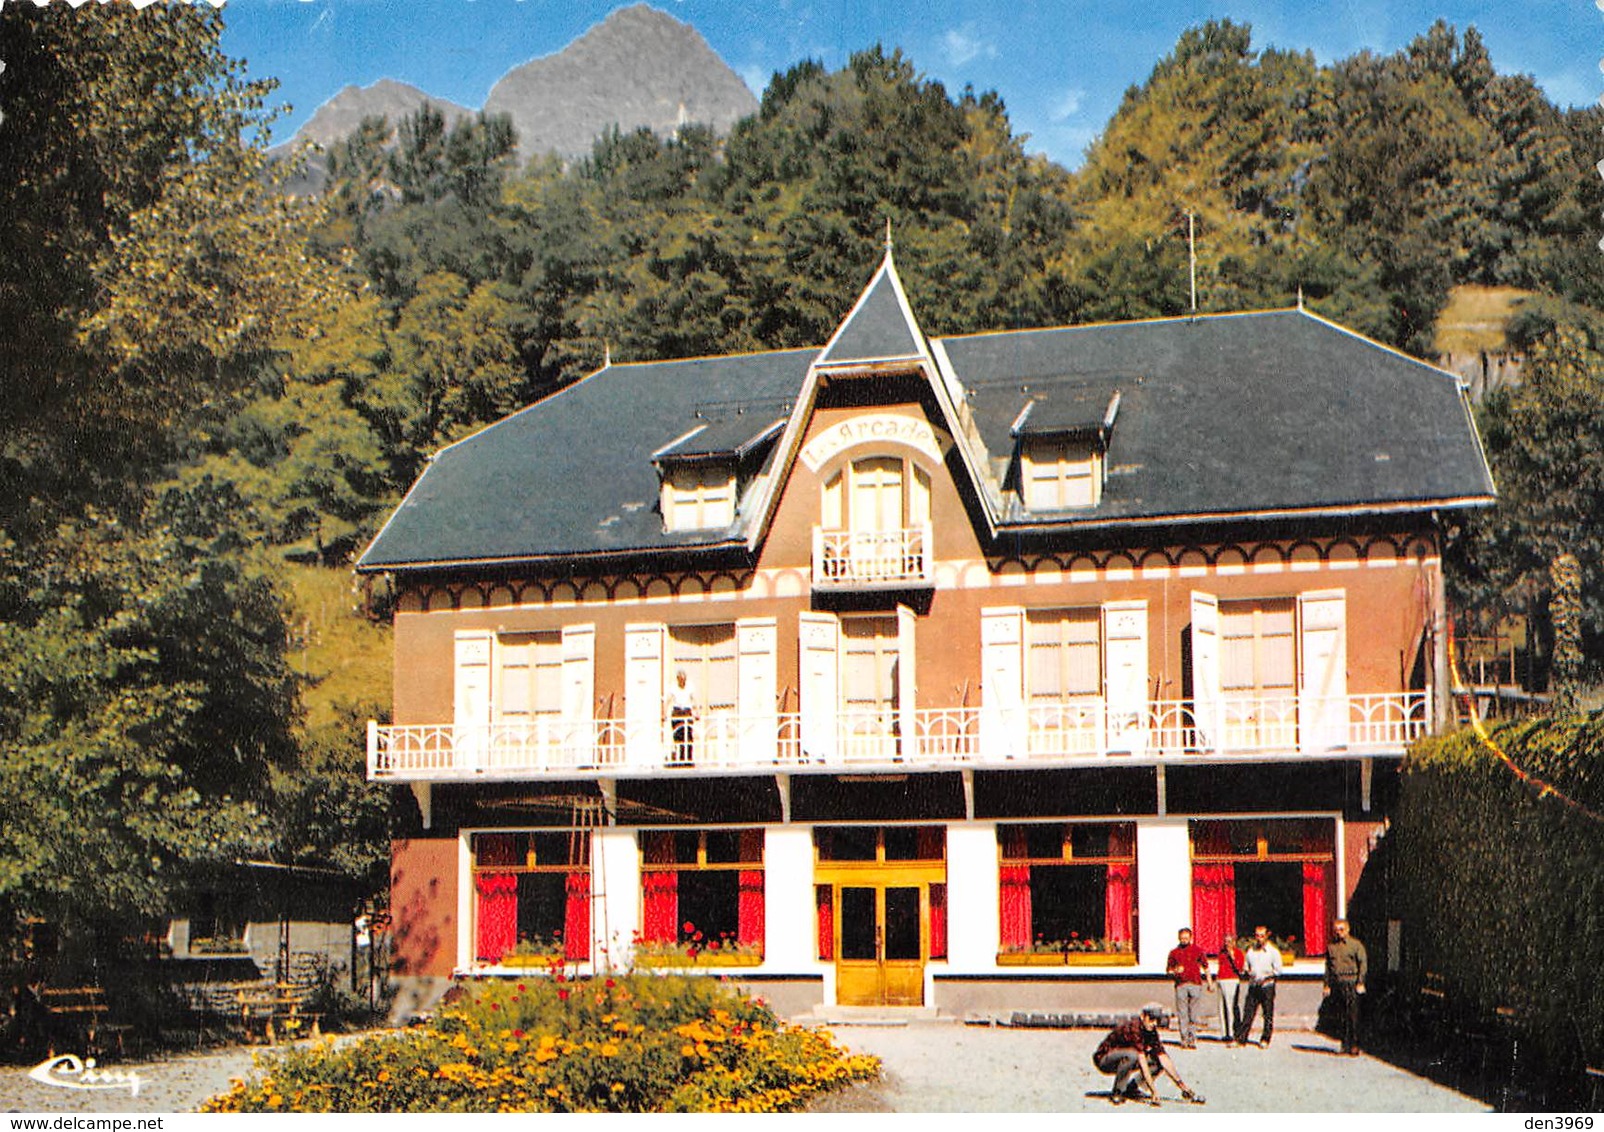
(1300, 296)
(607, 354)
(888, 235)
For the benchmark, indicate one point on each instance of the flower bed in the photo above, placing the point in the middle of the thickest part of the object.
(1066, 959)
(635, 1043)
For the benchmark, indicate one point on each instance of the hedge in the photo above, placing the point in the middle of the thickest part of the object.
(1501, 889)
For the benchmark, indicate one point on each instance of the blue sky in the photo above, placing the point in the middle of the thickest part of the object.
(1060, 65)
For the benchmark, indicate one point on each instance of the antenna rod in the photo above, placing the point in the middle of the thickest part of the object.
(1191, 257)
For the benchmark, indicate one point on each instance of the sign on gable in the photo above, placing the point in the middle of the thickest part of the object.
(875, 428)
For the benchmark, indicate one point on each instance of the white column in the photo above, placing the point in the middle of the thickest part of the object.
(973, 896)
(788, 899)
(615, 878)
(1163, 887)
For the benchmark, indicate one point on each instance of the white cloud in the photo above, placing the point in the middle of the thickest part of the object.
(1067, 104)
(965, 45)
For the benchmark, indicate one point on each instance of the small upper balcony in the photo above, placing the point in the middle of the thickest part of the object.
(1022, 737)
(898, 558)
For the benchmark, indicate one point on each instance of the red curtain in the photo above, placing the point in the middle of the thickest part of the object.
(826, 907)
(1318, 881)
(1117, 896)
(1015, 884)
(1213, 888)
(659, 891)
(938, 921)
(498, 915)
(576, 921)
(749, 908)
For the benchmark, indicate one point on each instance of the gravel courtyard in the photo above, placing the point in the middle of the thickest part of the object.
(929, 1067)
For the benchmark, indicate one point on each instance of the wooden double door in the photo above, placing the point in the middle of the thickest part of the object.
(882, 938)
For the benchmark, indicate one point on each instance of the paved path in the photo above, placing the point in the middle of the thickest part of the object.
(929, 1067)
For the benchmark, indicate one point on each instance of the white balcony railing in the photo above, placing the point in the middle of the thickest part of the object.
(845, 560)
(932, 739)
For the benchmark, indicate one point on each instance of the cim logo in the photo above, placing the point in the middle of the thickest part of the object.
(69, 1072)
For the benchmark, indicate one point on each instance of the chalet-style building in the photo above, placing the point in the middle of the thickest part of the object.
(943, 672)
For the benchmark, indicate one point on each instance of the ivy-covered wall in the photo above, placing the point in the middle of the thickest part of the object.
(1500, 886)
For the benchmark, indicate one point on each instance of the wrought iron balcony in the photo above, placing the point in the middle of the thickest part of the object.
(866, 560)
(994, 736)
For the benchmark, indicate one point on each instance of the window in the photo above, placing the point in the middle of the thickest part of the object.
(706, 654)
(1258, 672)
(1279, 872)
(530, 677)
(877, 494)
(703, 890)
(698, 497)
(1068, 888)
(1059, 474)
(531, 894)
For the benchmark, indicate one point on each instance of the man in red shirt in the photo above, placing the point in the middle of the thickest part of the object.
(1134, 1049)
(1188, 965)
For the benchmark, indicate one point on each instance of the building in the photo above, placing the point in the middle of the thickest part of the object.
(933, 672)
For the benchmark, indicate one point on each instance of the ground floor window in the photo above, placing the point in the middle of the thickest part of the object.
(1068, 887)
(703, 889)
(1278, 872)
(531, 895)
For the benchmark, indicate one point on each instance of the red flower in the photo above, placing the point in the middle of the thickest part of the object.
(522, 987)
(611, 984)
(563, 994)
(494, 1006)
(687, 927)
(517, 1033)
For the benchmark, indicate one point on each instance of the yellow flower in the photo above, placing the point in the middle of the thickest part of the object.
(609, 1050)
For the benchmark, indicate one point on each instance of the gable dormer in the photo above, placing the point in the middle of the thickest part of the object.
(1061, 448)
(879, 334)
(701, 475)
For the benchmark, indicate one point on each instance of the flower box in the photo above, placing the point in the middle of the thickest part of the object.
(1066, 959)
(1101, 959)
(526, 962)
(680, 959)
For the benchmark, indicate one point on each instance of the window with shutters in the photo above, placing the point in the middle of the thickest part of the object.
(869, 674)
(706, 654)
(1259, 671)
(1058, 474)
(530, 677)
(874, 524)
(1064, 678)
(698, 496)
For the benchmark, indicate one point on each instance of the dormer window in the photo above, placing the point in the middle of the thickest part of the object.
(703, 472)
(698, 497)
(1059, 473)
(1061, 443)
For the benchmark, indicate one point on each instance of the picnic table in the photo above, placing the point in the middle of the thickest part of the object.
(278, 1010)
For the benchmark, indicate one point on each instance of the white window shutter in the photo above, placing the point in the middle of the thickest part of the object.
(1125, 675)
(907, 682)
(1323, 670)
(1003, 719)
(757, 685)
(645, 682)
(1208, 703)
(471, 699)
(579, 692)
(818, 642)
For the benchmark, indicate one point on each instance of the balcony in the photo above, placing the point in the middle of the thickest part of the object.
(870, 560)
(933, 739)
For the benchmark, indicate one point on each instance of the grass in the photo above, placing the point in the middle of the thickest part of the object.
(346, 657)
(1475, 318)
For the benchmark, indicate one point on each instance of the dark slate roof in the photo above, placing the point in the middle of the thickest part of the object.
(573, 474)
(1218, 415)
(1239, 413)
(734, 435)
(877, 329)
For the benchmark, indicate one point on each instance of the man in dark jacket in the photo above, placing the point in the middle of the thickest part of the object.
(1346, 968)
(1134, 1049)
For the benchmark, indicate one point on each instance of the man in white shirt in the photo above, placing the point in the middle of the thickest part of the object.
(1263, 968)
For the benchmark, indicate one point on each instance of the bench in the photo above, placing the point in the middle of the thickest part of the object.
(81, 1011)
(278, 1010)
